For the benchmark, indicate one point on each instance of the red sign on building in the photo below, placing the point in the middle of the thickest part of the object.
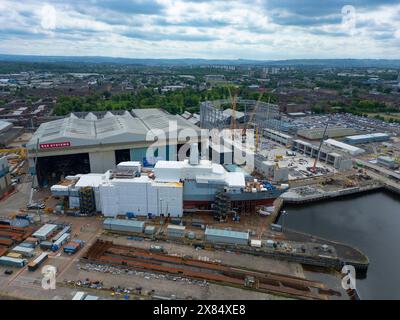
(54, 145)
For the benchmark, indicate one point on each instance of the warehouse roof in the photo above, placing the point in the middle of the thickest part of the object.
(226, 233)
(125, 223)
(83, 129)
(368, 136)
(344, 146)
(4, 125)
(45, 230)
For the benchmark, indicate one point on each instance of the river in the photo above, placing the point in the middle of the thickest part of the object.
(371, 223)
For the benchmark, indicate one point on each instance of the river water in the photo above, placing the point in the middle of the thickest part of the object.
(369, 222)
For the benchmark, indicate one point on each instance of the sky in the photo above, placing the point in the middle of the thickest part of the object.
(214, 29)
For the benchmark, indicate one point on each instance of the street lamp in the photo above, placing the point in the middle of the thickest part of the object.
(283, 213)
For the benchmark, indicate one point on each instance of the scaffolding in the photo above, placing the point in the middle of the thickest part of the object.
(87, 201)
(212, 116)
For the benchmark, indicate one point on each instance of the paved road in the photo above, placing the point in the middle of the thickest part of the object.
(17, 200)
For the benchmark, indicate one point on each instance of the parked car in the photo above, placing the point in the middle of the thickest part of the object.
(35, 206)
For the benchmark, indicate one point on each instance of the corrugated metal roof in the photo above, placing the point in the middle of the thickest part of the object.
(5, 125)
(125, 223)
(45, 230)
(343, 146)
(175, 227)
(227, 233)
(110, 128)
(368, 136)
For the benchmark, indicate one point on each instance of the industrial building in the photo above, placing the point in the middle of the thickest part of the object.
(226, 236)
(96, 142)
(271, 170)
(332, 132)
(344, 147)
(367, 138)
(387, 162)
(213, 116)
(8, 132)
(123, 225)
(327, 154)
(279, 137)
(45, 231)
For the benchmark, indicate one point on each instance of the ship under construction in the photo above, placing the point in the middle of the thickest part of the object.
(169, 189)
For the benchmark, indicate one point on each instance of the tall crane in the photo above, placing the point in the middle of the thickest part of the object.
(233, 116)
(252, 117)
(313, 169)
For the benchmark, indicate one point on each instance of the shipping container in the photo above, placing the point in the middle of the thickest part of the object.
(60, 242)
(255, 243)
(33, 265)
(66, 229)
(32, 240)
(27, 244)
(150, 230)
(15, 255)
(12, 262)
(46, 245)
(174, 231)
(26, 252)
(226, 236)
(124, 225)
(73, 246)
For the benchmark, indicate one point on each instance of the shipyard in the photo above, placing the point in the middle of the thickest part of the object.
(130, 220)
(189, 157)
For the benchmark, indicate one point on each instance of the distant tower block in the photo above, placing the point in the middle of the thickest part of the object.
(194, 154)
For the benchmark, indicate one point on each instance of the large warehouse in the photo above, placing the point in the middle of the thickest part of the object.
(96, 142)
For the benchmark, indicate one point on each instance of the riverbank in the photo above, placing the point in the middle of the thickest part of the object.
(369, 222)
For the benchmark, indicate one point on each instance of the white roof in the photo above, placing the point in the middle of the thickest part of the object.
(129, 164)
(235, 179)
(121, 128)
(90, 180)
(5, 125)
(22, 249)
(204, 172)
(367, 136)
(45, 230)
(344, 146)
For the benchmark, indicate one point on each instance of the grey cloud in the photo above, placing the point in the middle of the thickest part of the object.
(174, 37)
(315, 12)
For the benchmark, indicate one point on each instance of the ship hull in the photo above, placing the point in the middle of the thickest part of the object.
(206, 204)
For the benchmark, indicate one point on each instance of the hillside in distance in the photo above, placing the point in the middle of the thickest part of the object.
(356, 63)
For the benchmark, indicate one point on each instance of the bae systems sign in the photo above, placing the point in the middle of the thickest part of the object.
(54, 145)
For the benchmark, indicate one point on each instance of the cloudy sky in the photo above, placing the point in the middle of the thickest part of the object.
(230, 29)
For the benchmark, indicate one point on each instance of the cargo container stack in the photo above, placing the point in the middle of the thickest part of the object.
(73, 246)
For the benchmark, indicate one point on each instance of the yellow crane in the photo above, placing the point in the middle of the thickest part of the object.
(252, 117)
(22, 152)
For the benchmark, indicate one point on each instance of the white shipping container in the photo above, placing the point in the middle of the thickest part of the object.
(255, 243)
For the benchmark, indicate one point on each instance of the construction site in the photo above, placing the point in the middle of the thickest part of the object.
(126, 227)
